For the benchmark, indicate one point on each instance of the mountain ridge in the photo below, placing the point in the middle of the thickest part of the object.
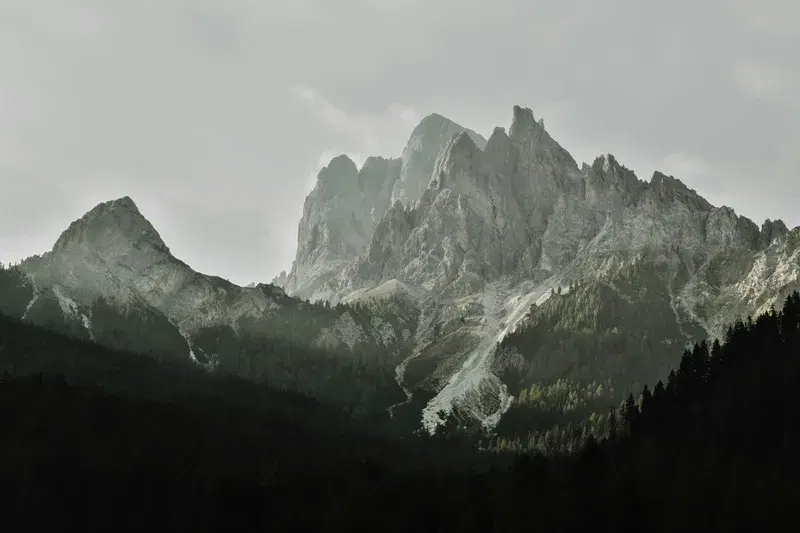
(517, 217)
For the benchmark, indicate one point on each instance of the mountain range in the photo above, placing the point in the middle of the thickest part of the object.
(486, 277)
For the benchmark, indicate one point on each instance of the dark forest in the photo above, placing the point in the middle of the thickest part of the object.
(92, 437)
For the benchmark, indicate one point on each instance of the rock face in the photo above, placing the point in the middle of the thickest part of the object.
(499, 226)
(339, 216)
(341, 212)
(421, 152)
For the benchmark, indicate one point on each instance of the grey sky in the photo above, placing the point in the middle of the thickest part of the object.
(214, 115)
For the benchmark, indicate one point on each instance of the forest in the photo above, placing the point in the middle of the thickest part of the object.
(94, 437)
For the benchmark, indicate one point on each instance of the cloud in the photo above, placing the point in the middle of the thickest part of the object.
(390, 5)
(767, 81)
(371, 133)
(772, 17)
(684, 167)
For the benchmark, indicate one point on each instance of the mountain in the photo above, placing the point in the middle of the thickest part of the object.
(494, 279)
(341, 212)
(111, 278)
(500, 228)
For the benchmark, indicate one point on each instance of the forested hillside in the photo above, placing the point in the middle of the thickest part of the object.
(124, 441)
(283, 349)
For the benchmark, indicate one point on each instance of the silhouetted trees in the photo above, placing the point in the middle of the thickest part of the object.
(93, 437)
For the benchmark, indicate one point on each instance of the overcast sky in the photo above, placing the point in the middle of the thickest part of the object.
(215, 115)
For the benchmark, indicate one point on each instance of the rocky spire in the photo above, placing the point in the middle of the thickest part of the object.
(770, 232)
(338, 179)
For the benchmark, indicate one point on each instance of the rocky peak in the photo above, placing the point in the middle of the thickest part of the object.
(339, 216)
(421, 152)
(770, 232)
(377, 178)
(459, 147)
(608, 184)
(665, 189)
(109, 222)
(457, 162)
(608, 171)
(539, 153)
(501, 154)
(338, 179)
(523, 122)
(725, 229)
(497, 138)
(525, 129)
(278, 281)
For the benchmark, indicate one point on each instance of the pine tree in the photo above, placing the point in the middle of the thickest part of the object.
(699, 363)
(671, 381)
(715, 357)
(658, 390)
(628, 413)
(613, 434)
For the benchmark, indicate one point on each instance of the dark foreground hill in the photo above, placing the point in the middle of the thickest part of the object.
(140, 443)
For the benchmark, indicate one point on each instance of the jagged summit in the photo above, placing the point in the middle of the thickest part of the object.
(419, 157)
(125, 202)
(338, 168)
(659, 179)
(498, 131)
(433, 118)
(523, 120)
(111, 221)
(436, 125)
(463, 142)
(606, 163)
(771, 230)
(341, 161)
